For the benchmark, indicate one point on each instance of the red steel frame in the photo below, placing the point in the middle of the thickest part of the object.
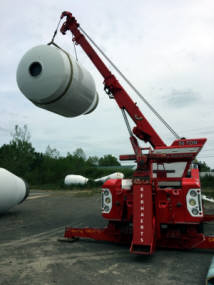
(143, 202)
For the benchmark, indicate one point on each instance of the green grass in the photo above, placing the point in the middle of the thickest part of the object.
(46, 187)
(87, 193)
(61, 186)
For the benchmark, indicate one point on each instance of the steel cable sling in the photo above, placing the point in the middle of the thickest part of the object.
(132, 86)
(124, 77)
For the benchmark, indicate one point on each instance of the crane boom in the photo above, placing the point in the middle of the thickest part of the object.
(143, 129)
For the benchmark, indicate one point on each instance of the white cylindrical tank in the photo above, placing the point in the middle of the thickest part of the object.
(73, 179)
(115, 175)
(51, 79)
(13, 190)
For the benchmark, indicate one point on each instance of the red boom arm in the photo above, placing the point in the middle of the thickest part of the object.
(143, 129)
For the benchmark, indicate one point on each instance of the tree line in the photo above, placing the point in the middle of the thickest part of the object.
(21, 158)
(50, 168)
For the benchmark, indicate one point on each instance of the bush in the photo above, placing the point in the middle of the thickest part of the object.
(207, 181)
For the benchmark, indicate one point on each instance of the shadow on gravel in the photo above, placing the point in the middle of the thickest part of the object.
(10, 214)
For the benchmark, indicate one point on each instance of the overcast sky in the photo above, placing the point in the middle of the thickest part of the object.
(164, 47)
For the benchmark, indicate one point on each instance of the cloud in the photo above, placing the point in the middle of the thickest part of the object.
(182, 98)
(4, 130)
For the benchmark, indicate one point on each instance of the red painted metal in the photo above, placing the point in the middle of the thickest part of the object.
(111, 84)
(143, 217)
(114, 232)
(153, 212)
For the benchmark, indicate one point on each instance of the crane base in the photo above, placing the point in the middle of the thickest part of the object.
(114, 232)
(117, 232)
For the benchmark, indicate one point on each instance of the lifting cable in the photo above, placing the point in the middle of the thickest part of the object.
(123, 76)
(75, 51)
(126, 122)
(132, 86)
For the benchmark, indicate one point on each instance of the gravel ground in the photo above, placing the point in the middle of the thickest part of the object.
(31, 254)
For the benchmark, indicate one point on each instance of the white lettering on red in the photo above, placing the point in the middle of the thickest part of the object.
(141, 215)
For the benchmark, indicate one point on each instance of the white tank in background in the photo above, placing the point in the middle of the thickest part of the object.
(72, 179)
(51, 79)
(13, 190)
(115, 175)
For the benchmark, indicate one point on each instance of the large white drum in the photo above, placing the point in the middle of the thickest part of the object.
(73, 179)
(53, 80)
(13, 190)
(115, 175)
